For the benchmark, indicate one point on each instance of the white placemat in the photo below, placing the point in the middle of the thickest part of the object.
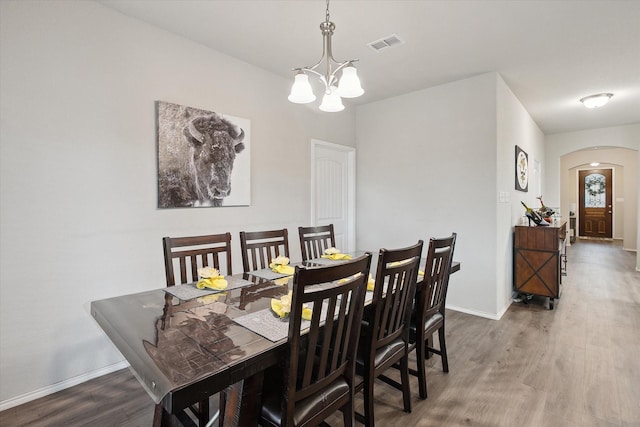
(326, 261)
(189, 290)
(267, 273)
(269, 325)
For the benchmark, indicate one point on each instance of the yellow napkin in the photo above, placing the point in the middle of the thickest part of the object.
(282, 269)
(282, 307)
(211, 278)
(336, 257)
(217, 283)
(280, 264)
(371, 284)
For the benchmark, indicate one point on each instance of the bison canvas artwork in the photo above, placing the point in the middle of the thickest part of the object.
(202, 156)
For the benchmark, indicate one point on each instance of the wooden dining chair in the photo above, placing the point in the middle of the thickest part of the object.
(182, 258)
(316, 377)
(429, 316)
(184, 255)
(260, 247)
(385, 327)
(315, 240)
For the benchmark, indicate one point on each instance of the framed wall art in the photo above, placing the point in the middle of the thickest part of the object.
(202, 156)
(522, 170)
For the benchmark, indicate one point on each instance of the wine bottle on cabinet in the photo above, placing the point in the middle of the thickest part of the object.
(533, 216)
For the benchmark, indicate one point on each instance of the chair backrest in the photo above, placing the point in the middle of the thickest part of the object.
(315, 240)
(184, 255)
(395, 286)
(433, 294)
(260, 247)
(328, 350)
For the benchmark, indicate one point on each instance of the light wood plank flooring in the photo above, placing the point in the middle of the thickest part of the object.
(578, 365)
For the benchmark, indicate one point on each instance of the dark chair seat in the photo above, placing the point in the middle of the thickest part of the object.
(432, 322)
(387, 352)
(305, 409)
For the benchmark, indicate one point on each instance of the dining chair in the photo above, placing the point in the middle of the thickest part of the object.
(429, 316)
(315, 240)
(385, 327)
(260, 247)
(190, 253)
(316, 375)
(182, 258)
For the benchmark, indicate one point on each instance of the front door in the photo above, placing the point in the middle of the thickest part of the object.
(595, 212)
(333, 190)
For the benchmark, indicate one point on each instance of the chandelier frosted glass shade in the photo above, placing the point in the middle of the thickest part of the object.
(331, 102)
(349, 84)
(595, 101)
(301, 92)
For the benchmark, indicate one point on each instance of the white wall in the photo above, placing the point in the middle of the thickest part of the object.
(426, 168)
(514, 127)
(561, 144)
(78, 212)
(436, 161)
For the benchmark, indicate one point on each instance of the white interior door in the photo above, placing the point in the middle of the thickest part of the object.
(333, 190)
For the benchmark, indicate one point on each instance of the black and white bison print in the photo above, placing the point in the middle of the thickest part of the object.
(196, 153)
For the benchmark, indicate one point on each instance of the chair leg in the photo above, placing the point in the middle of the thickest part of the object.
(348, 414)
(406, 388)
(428, 343)
(422, 371)
(368, 400)
(203, 413)
(443, 350)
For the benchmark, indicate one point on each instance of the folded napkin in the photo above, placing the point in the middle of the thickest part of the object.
(282, 307)
(217, 283)
(337, 257)
(282, 269)
(211, 278)
(334, 254)
(281, 265)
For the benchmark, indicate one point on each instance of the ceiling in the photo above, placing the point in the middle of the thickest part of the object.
(550, 53)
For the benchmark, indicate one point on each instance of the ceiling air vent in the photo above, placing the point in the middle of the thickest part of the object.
(385, 42)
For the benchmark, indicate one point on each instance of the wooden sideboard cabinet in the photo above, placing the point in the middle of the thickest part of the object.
(539, 259)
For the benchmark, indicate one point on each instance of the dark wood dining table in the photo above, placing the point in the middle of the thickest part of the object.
(184, 350)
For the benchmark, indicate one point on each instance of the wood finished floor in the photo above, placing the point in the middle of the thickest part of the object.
(578, 365)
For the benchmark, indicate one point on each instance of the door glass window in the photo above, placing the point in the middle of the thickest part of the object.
(594, 191)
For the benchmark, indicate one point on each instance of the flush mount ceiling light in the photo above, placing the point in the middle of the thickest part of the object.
(348, 86)
(594, 101)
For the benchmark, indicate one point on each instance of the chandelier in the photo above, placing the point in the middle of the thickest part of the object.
(348, 86)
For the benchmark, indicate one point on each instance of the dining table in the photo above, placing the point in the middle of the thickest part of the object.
(185, 344)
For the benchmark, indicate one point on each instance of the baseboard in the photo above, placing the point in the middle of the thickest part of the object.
(492, 316)
(45, 391)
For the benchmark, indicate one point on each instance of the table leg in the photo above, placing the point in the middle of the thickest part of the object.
(242, 403)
